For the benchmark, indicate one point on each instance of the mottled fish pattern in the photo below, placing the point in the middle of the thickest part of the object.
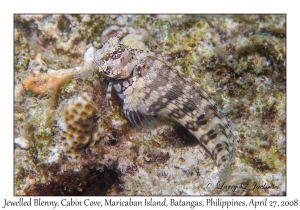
(149, 86)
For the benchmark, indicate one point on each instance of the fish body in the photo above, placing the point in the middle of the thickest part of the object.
(149, 86)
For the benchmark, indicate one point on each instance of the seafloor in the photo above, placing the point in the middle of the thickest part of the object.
(240, 60)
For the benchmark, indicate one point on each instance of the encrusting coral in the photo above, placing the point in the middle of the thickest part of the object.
(77, 121)
(42, 83)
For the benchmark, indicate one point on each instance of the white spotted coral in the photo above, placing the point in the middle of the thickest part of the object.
(76, 122)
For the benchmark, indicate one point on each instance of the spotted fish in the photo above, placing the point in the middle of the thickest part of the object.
(149, 86)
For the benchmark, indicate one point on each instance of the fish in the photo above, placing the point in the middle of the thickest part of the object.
(149, 86)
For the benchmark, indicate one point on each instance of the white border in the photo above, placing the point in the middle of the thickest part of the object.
(8, 8)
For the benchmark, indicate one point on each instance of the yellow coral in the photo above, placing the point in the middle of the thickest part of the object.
(77, 122)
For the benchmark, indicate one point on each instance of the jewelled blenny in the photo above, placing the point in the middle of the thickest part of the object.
(149, 86)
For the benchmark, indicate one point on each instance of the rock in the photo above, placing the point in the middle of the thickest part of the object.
(22, 142)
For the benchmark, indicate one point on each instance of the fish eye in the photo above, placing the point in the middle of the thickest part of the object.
(114, 54)
(117, 52)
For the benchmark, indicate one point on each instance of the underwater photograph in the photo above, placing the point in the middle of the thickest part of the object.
(149, 104)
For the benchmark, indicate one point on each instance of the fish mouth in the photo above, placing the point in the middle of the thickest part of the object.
(99, 56)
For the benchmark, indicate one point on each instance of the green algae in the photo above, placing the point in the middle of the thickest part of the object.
(41, 143)
(21, 52)
(18, 183)
(278, 94)
(63, 24)
(135, 148)
(97, 25)
(29, 94)
(273, 158)
(143, 21)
